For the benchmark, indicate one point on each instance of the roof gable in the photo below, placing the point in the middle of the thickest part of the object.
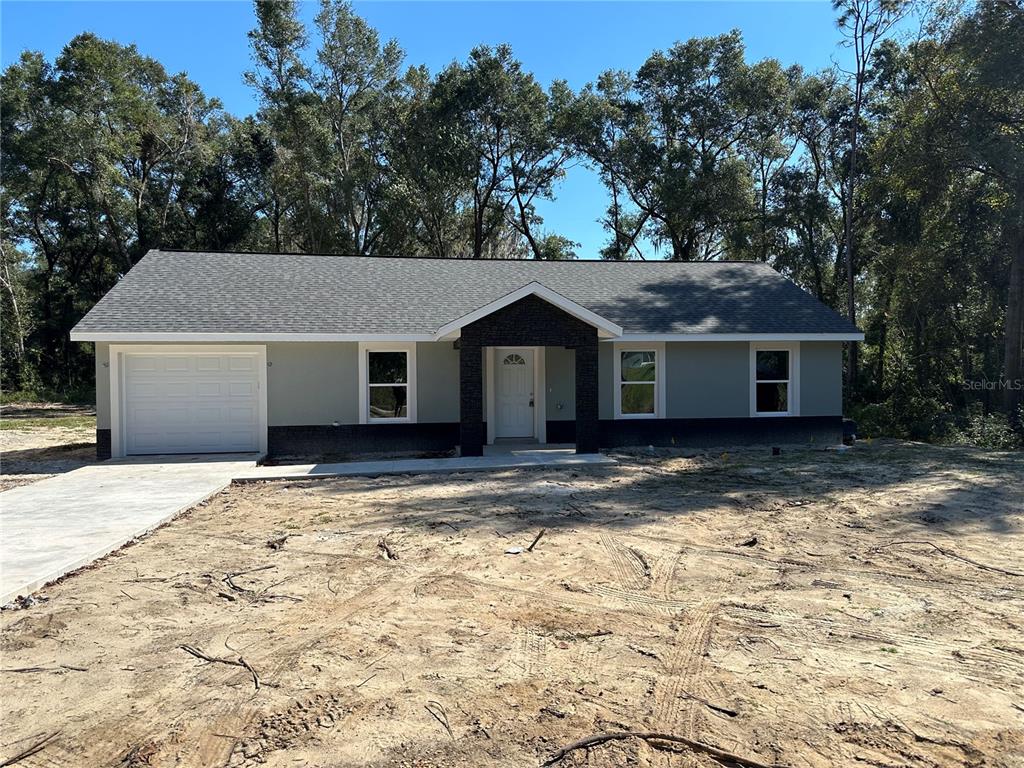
(605, 328)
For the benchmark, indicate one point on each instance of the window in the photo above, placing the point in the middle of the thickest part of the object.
(774, 387)
(389, 385)
(387, 382)
(639, 384)
(513, 359)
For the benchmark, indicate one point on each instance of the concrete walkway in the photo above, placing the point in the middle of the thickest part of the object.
(52, 527)
(512, 460)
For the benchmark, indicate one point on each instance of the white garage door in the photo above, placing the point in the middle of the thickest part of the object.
(191, 403)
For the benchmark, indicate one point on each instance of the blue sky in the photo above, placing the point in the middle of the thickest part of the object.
(571, 40)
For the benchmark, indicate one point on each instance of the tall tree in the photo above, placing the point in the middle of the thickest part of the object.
(675, 140)
(767, 149)
(865, 24)
(505, 124)
(105, 156)
(357, 86)
(971, 94)
(281, 80)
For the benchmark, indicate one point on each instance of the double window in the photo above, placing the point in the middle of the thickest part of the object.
(639, 384)
(773, 390)
(387, 382)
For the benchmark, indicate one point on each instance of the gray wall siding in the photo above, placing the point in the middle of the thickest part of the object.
(312, 383)
(437, 382)
(821, 378)
(318, 383)
(560, 375)
(707, 379)
(102, 385)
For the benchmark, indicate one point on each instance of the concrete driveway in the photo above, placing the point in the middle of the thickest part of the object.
(52, 527)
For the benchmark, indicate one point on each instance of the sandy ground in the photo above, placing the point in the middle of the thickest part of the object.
(813, 609)
(37, 452)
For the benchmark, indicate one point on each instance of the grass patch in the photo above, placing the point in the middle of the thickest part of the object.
(76, 396)
(51, 422)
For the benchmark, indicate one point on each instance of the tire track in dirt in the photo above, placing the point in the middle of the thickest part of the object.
(647, 605)
(529, 653)
(684, 671)
(993, 663)
(380, 596)
(204, 738)
(877, 736)
(970, 582)
(584, 661)
(631, 566)
(643, 587)
(685, 662)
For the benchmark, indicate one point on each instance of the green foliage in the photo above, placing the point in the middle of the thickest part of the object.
(81, 396)
(906, 415)
(105, 156)
(671, 141)
(984, 430)
(909, 172)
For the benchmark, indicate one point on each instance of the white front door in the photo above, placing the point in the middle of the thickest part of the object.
(513, 393)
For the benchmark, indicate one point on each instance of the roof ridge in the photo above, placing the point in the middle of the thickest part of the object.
(455, 259)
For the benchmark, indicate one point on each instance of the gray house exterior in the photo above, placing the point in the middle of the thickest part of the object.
(304, 354)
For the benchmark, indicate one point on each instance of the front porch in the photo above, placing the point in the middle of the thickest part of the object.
(502, 381)
(524, 448)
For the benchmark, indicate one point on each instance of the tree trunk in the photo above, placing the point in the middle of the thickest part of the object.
(851, 307)
(8, 283)
(478, 232)
(1013, 374)
(883, 337)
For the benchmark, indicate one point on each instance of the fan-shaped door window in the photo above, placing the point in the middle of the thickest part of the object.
(513, 359)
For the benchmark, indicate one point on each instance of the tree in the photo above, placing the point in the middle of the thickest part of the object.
(768, 147)
(281, 82)
(105, 157)
(357, 86)
(971, 91)
(504, 121)
(433, 173)
(864, 23)
(676, 140)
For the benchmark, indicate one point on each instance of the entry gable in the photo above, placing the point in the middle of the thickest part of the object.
(605, 328)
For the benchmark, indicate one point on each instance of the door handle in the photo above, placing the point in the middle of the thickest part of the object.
(531, 401)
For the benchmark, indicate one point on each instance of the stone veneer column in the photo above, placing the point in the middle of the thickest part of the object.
(587, 437)
(471, 398)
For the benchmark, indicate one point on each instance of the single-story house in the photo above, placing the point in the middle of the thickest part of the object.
(309, 354)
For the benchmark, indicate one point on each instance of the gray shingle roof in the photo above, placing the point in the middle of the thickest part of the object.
(191, 292)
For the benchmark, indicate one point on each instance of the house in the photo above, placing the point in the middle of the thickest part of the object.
(286, 353)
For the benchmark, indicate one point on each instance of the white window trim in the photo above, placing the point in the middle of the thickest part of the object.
(658, 348)
(365, 347)
(540, 415)
(116, 374)
(793, 390)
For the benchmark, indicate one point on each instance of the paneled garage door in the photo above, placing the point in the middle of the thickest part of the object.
(191, 403)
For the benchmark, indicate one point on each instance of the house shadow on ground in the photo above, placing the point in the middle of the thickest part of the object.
(904, 487)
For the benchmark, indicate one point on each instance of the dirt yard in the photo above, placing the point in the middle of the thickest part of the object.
(812, 609)
(39, 440)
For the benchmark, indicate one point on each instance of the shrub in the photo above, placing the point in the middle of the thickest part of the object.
(874, 420)
(983, 430)
(914, 417)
